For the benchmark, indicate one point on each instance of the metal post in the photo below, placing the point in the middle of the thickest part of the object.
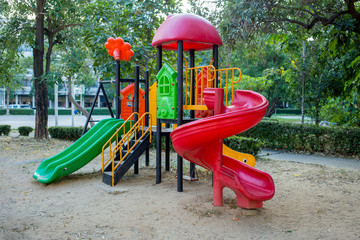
(56, 107)
(192, 112)
(158, 151)
(180, 112)
(106, 100)
(72, 105)
(136, 108)
(216, 62)
(147, 153)
(117, 92)
(158, 58)
(192, 64)
(158, 123)
(92, 109)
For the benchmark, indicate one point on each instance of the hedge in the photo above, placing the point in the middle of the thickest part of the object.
(51, 111)
(291, 111)
(310, 138)
(68, 133)
(18, 111)
(244, 144)
(96, 111)
(25, 130)
(5, 129)
(240, 144)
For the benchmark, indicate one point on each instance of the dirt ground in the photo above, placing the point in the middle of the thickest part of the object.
(311, 202)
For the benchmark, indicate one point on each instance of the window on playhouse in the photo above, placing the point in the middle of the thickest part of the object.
(164, 85)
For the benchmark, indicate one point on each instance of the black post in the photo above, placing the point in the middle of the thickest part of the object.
(216, 63)
(192, 112)
(158, 151)
(192, 64)
(147, 103)
(158, 123)
(107, 100)
(158, 58)
(117, 92)
(167, 150)
(180, 112)
(136, 108)
(91, 109)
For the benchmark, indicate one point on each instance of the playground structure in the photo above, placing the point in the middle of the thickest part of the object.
(207, 92)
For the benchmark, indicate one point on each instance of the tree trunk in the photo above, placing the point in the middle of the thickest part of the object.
(271, 109)
(41, 93)
(7, 100)
(303, 84)
(317, 111)
(77, 106)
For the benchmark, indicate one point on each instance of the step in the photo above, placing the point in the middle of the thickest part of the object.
(127, 163)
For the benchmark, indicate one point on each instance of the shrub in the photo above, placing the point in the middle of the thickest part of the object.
(17, 111)
(21, 111)
(244, 144)
(24, 130)
(5, 129)
(96, 111)
(290, 111)
(51, 111)
(101, 111)
(310, 138)
(68, 133)
(163, 143)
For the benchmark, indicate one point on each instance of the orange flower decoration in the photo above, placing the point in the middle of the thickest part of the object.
(119, 49)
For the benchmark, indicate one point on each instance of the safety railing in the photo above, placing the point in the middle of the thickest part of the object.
(227, 76)
(136, 133)
(115, 137)
(205, 77)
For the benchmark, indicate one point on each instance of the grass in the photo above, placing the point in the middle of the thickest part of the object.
(289, 118)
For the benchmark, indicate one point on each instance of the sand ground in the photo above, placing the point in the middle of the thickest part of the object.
(311, 202)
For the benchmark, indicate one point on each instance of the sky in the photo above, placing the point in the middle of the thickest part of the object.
(186, 6)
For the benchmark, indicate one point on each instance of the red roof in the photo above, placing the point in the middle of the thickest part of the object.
(195, 32)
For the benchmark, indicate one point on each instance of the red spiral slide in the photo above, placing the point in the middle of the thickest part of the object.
(201, 143)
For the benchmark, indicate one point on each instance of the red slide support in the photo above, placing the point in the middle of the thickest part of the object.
(201, 143)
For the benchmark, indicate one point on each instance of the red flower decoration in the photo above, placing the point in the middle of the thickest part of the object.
(119, 49)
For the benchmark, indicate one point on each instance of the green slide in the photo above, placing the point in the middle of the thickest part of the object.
(79, 153)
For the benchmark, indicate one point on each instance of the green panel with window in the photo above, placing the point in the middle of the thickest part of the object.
(166, 93)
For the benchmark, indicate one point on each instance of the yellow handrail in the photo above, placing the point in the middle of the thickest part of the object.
(138, 127)
(229, 73)
(116, 134)
(223, 74)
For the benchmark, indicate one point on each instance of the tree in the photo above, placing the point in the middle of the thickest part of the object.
(329, 66)
(248, 17)
(133, 21)
(35, 21)
(74, 64)
(12, 72)
(11, 69)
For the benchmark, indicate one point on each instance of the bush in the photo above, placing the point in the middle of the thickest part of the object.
(24, 130)
(101, 111)
(51, 111)
(68, 133)
(96, 111)
(244, 144)
(310, 138)
(163, 143)
(290, 111)
(5, 129)
(21, 111)
(17, 111)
